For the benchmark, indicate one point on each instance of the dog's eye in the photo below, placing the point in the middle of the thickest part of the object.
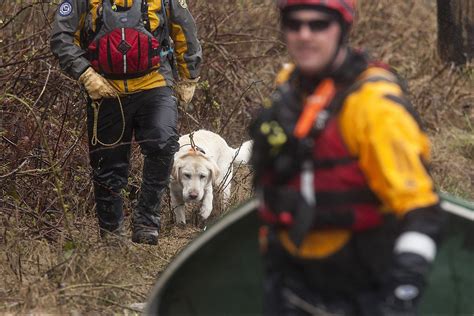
(202, 176)
(187, 175)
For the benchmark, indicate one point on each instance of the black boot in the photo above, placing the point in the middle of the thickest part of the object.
(110, 215)
(109, 210)
(146, 218)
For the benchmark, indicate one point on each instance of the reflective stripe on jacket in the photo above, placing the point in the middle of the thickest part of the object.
(70, 27)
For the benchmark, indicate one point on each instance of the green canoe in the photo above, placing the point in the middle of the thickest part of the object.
(219, 273)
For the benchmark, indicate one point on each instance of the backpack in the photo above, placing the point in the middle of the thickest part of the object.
(123, 46)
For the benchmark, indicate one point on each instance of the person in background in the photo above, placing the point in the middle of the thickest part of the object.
(350, 219)
(121, 51)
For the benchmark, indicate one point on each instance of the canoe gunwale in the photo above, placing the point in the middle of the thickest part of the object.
(461, 210)
(193, 247)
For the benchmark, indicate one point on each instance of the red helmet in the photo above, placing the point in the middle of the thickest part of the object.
(346, 8)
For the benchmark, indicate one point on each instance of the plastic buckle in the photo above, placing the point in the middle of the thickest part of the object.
(164, 52)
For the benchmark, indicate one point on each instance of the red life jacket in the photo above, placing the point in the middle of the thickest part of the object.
(339, 184)
(340, 187)
(123, 48)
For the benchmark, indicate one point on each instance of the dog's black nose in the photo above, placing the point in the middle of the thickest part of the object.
(193, 196)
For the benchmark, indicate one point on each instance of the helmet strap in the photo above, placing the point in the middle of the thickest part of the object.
(331, 67)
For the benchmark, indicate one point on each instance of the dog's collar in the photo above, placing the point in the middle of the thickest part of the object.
(195, 148)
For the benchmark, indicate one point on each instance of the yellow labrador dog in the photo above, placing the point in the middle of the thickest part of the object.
(201, 163)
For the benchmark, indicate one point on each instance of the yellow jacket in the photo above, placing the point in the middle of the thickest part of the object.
(71, 25)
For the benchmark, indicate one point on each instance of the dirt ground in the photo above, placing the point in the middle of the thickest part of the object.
(51, 259)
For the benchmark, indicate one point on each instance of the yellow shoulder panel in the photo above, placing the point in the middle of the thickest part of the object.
(359, 107)
(153, 7)
(389, 144)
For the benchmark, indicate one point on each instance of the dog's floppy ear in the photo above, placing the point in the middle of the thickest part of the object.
(177, 164)
(214, 169)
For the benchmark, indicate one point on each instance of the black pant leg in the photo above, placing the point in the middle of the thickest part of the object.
(156, 132)
(110, 164)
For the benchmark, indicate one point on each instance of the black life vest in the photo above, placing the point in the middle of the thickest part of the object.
(123, 48)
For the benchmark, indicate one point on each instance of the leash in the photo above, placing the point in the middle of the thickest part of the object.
(95, 139)
(191, 139)
(193, 145)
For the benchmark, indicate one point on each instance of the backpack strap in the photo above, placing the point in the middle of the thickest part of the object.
(165, 35)
(87, 35)
(167, 50)
(145, 17)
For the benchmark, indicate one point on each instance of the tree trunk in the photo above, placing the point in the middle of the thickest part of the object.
(456, 30)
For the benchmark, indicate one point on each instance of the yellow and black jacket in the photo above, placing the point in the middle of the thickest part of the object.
(76, 19)
(376, 206)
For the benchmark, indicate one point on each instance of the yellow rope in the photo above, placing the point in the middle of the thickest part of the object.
(95, 139)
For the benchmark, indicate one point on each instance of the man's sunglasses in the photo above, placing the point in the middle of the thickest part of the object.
(295, 25)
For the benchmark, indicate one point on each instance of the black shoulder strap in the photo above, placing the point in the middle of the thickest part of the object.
(145, 17)
(164, 38)
(165, 35)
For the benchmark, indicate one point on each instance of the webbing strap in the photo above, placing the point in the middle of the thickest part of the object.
(166, 31)
(354, 196)
(167, 50)
(332, 163)
(315, 103)
(145, 17)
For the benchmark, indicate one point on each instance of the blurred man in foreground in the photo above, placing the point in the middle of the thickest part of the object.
(351, 222)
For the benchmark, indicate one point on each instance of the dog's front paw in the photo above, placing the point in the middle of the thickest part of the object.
(179, 216)
(180, 223)
(205, 211)
(202, 224)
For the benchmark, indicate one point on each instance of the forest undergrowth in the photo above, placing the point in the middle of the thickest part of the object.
(51, 258)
